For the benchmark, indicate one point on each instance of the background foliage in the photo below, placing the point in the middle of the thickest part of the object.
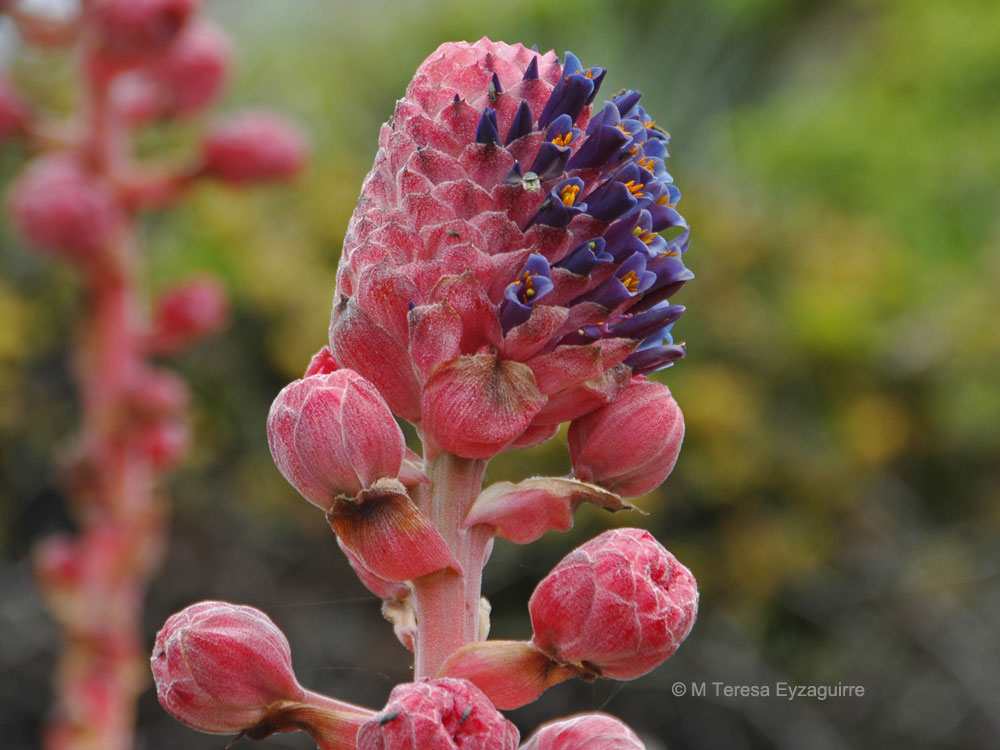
(838, 496)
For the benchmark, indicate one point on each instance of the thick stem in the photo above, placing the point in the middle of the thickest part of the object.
(447, 602)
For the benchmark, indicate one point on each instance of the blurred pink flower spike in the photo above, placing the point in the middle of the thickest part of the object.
(618, 606)
(631, 445)
(440, 714)
(511, 673)
(387, 533)
(523, 512)
(589, 731)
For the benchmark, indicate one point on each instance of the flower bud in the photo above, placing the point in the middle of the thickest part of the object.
(442, 714)
(618, 605)
(654, 424)
(220, 667)
(333, 435)
(186, 79)
(164, 441)
(590, 731)
(254, 146)
(189, 311)
(63, 209)
(136, 29)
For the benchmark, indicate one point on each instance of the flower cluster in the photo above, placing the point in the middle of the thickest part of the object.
(508, 268)
(77, 199)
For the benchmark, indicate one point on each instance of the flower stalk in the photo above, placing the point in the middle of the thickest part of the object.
(508, 269)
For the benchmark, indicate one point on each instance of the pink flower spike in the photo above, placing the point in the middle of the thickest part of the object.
(589, 731)
(64, 209)
(333, 434)
(221, 667)
(254, 146)
(618, 605)
(442, 714)
(631, 466)
(523, 512)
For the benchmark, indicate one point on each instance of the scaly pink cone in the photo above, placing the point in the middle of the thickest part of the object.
(441, 714)
(589, 731)
(648, 415)
(507, 225)
(617, 606)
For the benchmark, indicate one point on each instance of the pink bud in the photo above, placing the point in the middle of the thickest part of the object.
(130, 29)
(63, 209)
(157, 393)
(333, 435)
(590, 731)
(631, 445)
(183, 81)
(187, 312)
(164, 441)
(618, 605)
(219, 667)
(443, 714)
(254, 146)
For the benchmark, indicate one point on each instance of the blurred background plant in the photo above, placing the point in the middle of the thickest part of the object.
(838, 495)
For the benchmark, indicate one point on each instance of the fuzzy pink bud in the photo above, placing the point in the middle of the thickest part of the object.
(254, 146)
(631, 445)
(183, 81)
(590, 731)
(618, 605)
(189, 311)
(135, 29)
(333, 435)
(220, 667)
(442, 714)
(63, 209)
(164, 441)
